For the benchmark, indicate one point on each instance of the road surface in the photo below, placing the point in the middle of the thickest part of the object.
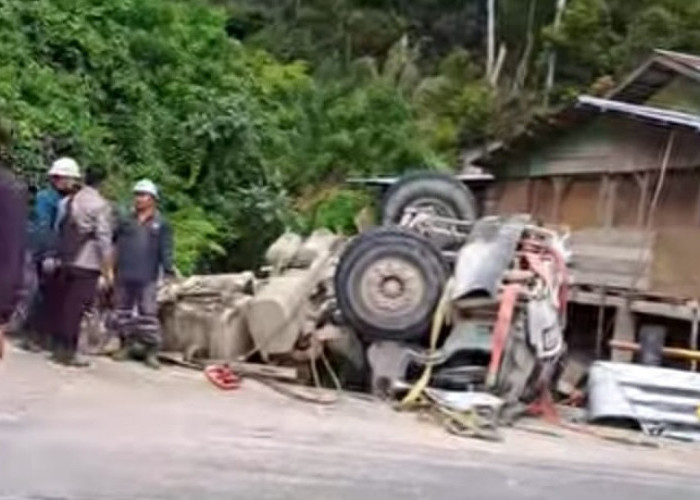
(120, 431)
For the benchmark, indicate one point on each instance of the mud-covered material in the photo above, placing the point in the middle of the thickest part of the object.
(282, 251)
(204, 316)
(277, 315)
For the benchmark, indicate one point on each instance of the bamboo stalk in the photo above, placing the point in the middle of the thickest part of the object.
(669, 352)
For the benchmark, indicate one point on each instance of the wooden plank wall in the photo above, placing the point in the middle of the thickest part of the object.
(597, 209)
(607, 144)
(612, 258)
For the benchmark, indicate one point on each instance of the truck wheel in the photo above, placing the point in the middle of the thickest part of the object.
(388, 283)
(434, 191)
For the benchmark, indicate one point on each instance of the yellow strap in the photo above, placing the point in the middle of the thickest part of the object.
(438, 320)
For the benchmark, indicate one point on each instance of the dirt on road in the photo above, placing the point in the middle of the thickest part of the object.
(123, 431)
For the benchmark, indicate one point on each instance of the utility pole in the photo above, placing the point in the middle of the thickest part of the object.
(490, 37)
(551, 65)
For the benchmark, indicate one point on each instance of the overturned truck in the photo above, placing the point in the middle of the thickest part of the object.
(477, 304)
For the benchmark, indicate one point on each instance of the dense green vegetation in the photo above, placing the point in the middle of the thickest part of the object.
(251, 112)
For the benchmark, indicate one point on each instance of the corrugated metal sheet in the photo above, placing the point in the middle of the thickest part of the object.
(466, 177)
(660, 69)
(690, 60)
(665, 402)
(657, 115)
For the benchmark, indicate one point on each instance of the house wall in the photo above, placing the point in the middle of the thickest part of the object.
(585, 201)
(606, 144)
(615, 198)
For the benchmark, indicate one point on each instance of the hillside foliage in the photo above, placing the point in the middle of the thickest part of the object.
(251, 113)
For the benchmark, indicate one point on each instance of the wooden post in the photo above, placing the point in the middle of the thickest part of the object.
(697, 208)
(644, 180)
(601, 324)
(611, 202)
(623, 332)
(529, 195)
(558, 186)
(602, 196)
(694, 336)
(534, 196)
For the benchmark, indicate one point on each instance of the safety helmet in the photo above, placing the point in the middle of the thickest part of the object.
(146, 186)
(65, 167)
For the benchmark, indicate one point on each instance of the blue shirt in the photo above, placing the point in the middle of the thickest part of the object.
(43, 219)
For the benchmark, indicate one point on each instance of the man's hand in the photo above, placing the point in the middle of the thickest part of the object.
(49, 265)
(2, 340)
(106, 279)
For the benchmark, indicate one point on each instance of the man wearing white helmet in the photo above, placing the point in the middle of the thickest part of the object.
(84, 249)
(144, 252)
(64, 176)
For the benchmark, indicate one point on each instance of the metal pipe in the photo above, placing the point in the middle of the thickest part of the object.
(670, 352)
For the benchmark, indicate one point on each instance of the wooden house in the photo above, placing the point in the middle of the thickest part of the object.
(623, 173)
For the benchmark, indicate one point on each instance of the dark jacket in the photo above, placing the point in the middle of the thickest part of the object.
(143, 250)
(13, 233)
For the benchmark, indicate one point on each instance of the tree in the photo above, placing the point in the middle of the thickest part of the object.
(157, 88)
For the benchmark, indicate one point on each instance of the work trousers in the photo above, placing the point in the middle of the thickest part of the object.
(136, 314)
(48, 308)
(78, 288)
(27, 298)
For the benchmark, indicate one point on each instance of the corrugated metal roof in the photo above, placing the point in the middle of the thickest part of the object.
(654, 74)
(690, 60)
(663, 401)
(648, 113)
(627, 98)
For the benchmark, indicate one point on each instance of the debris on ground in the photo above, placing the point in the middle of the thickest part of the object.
(662, 401)
(456, 317)
(495, 325)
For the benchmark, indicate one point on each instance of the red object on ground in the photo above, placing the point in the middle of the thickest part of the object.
(222, 377)
(544, 407)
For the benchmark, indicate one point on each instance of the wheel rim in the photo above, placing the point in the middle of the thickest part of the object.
(433, 206)
(392, 287)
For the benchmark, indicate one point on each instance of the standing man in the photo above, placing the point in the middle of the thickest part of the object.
(64, 177)
(85, 252)
(13, 228)
(40, 280)
(144, 246)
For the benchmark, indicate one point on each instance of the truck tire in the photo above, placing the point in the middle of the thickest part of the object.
(388, 283)
(441, 193)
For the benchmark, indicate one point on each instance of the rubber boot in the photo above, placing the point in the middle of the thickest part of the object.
(122, 354)
(66, 357)
(59, 355)
(30, 345)
(78, 361)
(151, 359)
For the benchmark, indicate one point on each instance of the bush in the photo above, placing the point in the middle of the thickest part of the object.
(156, 88)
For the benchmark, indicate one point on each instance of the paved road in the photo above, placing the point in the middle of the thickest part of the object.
(122, 432)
